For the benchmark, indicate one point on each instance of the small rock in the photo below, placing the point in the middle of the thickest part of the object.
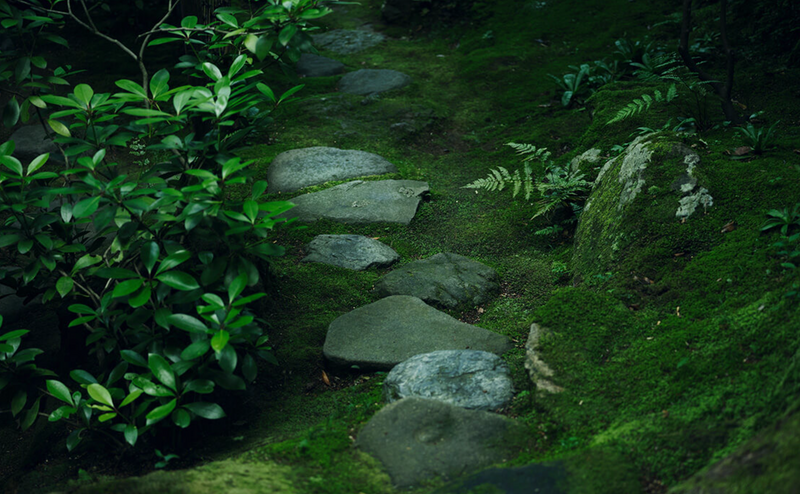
(354, 252)
(299, 168)
(538, 370)
(464, 378)
(30, 141)
(418, 439)
(446, 279)
(344, 41)
(311, 65)
(384, 333)
(389, 201)
(372, 81)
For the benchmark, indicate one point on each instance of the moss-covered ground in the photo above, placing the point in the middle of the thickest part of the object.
(672, 357)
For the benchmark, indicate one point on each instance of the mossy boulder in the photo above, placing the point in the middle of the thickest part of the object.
(657, 180)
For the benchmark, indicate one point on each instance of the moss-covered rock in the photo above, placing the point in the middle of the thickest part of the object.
(654, 181)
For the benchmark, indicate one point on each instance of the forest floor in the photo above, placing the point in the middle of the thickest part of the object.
(634, 418)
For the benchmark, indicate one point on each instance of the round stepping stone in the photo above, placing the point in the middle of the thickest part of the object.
(389, 201)
(418, 439)
(464, 378)
(299, 168)
(384, 333)
(539, 478)
(446, 279)
(354, 252)
(373, 81)
(30, 141)
(311, 65)
(346, 41)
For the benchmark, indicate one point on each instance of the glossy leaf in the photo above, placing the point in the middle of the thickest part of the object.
(195, 350)
(131, 434)
(59, 128)
(60, 391)
(136, 393)
(127, 287)
(18, 402)
(30, 415)
(85, 207)
(149, 253)
(178, 280)
(159, 413)
(219, 340)
(161, 370)
(74, 439)
(181, 418)
(82, 377)
(134, 358)
(187, 323)
(199, 386)
(206, 410)
(100, 394)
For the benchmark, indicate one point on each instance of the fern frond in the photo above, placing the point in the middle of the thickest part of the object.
(638, 106)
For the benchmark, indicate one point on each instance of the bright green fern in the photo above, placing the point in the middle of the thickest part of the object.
(500, 178)
(642, 105)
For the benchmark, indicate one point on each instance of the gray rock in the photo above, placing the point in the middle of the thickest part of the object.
(344, 41)
(446, 279)
(538, 370)
(30, 141)
(538, 478)
(298, 168)
(384, 333)
(418, 439)
(390, 201)
(657, 180)
(372, 81)
(13, 307)
(350, 251)
(311, 65)
(465, 378)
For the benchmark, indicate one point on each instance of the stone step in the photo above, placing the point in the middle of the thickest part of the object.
(445, 279)
(299, 168)
(347, 41)
(384, 333)
(465, 378)
(311, 65)
(418, 440)
(385, 201)
(373, 81)
(355, 252)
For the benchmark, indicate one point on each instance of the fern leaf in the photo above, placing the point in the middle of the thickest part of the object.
(672, 93)
(517, 184)
(647, 99)
(657, 96)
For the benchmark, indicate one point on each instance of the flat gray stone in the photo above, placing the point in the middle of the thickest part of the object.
(465, 378)
(418, 439)
(311, 65)
(299, 168)
(446, 279)
(346, 41)
(373, 81)
(390, 201)
(30, 141)
(355, 252)
(538, 478)
(384, 333)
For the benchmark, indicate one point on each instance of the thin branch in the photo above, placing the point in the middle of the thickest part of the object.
(98, 33)
(140, 59)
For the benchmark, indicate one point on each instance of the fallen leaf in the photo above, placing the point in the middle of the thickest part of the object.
(742, 150)
(679, 254)
(634, 307)
(648, 280)
(729, 227)
(678, 311)
(665, 413)
(797, 151)
(325, 379)
(481, 310)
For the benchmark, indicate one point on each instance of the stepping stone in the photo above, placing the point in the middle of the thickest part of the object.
(418, 439)
(389, 201)
(464, 378)
(373, 81)
(354, 252)
(311, 65)
(384, 333)
(539, 478)
(299, 168)
(345, 41)
(30, 141)
(446, 279)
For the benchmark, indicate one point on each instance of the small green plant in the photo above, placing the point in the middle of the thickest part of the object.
(164, 459)
(572, 84)
(758, 138)
(788, 246)
(639, 106)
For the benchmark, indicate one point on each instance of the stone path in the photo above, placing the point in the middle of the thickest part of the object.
(446, 377)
